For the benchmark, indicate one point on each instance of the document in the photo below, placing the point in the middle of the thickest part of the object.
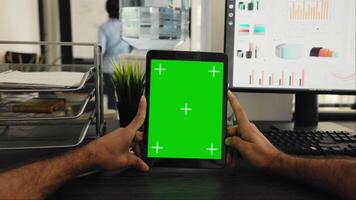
(18, 79)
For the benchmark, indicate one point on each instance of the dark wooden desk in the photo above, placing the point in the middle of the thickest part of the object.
(244, 182)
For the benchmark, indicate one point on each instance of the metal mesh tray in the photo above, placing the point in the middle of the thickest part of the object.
(87, 69)
(44, 136)
(75, 106)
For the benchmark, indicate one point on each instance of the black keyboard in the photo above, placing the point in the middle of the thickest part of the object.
(313, 142)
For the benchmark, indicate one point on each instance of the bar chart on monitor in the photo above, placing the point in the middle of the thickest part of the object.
(276, 79)
(309, 10)
(295, 44)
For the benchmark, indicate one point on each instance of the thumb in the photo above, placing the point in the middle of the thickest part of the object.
(137, 163)
(139, 119)
(236, 142)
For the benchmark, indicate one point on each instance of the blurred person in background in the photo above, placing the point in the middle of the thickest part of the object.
(109, 36)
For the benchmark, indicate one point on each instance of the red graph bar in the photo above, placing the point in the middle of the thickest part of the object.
(272, 79)
(282, 77)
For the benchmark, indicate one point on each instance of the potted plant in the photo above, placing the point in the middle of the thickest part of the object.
(129, 82)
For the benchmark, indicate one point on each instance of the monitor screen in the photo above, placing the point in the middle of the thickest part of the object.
(291, 45)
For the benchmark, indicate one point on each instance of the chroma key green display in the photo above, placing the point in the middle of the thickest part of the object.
(186, 109)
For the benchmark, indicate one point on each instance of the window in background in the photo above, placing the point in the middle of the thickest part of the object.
(336, 101)
(337, 108)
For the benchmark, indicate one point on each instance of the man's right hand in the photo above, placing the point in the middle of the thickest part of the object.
(249, 141)
(112, 151)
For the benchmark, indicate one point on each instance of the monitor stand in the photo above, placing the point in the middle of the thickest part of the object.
(306, 116)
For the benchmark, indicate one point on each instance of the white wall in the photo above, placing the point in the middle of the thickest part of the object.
(87, 16)
(19, 21)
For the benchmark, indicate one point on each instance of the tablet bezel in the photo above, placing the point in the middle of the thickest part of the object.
(185, 56)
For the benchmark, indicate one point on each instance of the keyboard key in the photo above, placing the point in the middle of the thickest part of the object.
(327, 141)
(336, 148)
(313, 148)
(325, 148)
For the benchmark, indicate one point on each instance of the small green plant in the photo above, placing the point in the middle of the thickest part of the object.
(129, 82)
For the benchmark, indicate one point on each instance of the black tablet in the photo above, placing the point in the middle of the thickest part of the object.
(186, 109)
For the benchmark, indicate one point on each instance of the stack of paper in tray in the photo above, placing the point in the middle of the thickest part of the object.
(17, 79)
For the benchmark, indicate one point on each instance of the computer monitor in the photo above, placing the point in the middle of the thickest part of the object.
(305, 47)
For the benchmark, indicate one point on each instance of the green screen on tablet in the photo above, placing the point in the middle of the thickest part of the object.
(185, 109)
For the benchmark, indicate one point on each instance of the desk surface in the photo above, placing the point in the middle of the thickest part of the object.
(244, 182)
